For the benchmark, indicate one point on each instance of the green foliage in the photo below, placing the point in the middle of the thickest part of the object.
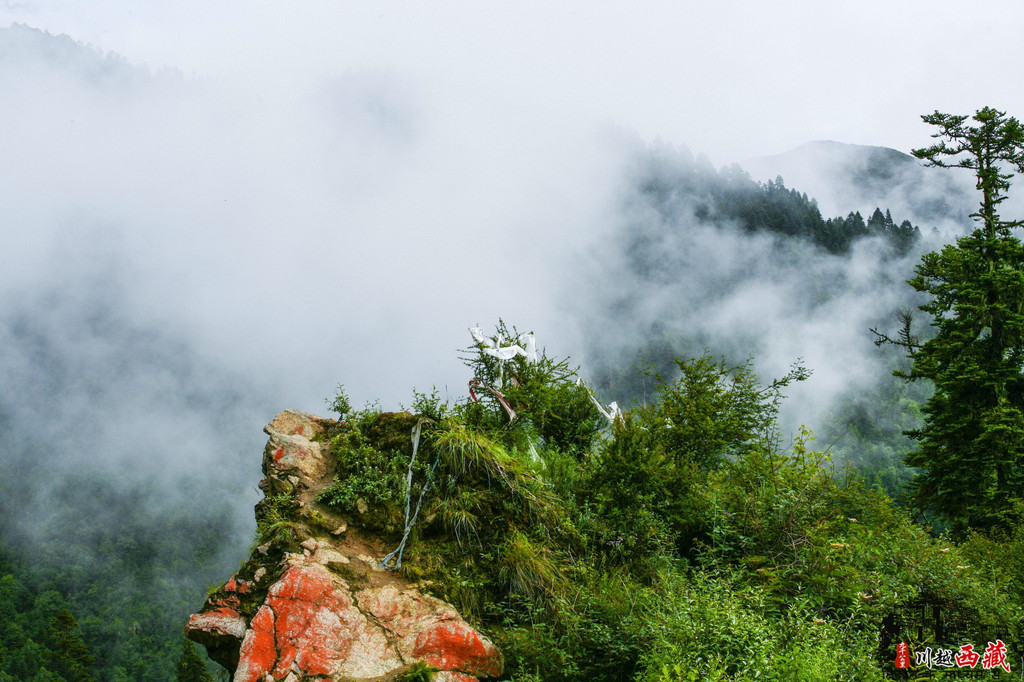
(363, 485)
(68, 655)
(1000, 557)
(867, 430)
(480, 493)
(712, 411)
(717, 627)
(275, 515)
(486, 499)
(590, 632)
(418, 672)
(645, 483)
(773, 512)
(120, 576)
(971, 445)
(370, 449)
(190, 666)
(635, 493)
(685, 542)
(681, 185)
(39, 636)
(431, 406)
(527, 566)
(552, 408)
(340, 404)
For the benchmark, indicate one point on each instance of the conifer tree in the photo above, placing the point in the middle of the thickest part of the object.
(68, 653)
(190, 666)
(971, 446)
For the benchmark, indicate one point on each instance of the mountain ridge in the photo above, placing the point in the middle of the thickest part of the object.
(846, 177)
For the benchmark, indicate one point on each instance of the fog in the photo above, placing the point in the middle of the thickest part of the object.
(337, 236)
(211, 214)
(186, 256)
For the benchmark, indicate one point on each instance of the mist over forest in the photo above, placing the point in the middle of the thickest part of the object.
(185, 256)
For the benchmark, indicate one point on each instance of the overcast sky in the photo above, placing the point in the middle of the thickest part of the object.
(731, 79)
(318, 192)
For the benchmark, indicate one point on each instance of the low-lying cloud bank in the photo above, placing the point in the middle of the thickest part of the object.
(185, 256)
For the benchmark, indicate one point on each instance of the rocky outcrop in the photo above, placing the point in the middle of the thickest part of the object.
(312, 602)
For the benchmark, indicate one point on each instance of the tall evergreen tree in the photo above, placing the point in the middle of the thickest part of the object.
(971, 446)
(190, 666)
(68, 653)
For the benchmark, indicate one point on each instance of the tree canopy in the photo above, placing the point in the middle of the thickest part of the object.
(971, 446)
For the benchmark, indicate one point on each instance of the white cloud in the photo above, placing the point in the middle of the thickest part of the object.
(333, 191)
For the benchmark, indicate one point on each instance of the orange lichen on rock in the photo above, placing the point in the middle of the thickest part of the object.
(454, 645)
(259, 652)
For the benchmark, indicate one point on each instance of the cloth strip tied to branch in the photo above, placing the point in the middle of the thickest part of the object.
(493, 347)
(611, 413)
(497, 394)
(393, 561)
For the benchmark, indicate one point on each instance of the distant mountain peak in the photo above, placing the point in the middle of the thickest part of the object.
(847, 177)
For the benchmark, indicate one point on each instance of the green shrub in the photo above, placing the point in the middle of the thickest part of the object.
(418, 672)
(715, 626)
(275, 515)
(372, 454)
(340, 404)
(590, 631)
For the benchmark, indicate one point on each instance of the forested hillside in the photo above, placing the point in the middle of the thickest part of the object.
(712, 261)
(89, 519)
(673, 183)
(857, 177)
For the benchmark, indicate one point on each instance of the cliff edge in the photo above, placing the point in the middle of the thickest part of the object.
(311, 602)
